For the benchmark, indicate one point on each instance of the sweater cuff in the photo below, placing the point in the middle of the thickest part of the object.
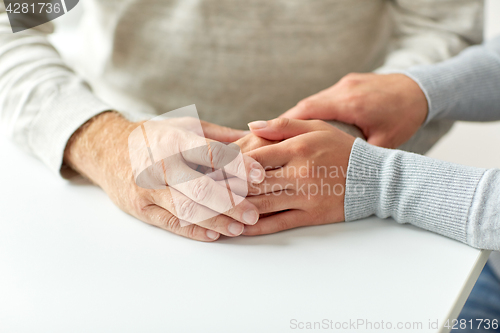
(435, 82)
(431, 194)
(453, 87)
(58, 119)
(363, 183)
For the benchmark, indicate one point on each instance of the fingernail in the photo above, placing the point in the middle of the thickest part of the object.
(250, 217)
(256, 176)
(257, 124)
(235, 228)
(212, 234)
(247, 132)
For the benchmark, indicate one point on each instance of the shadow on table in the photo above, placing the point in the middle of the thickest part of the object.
(335, 231)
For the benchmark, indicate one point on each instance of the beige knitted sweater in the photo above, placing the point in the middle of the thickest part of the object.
(238, 61)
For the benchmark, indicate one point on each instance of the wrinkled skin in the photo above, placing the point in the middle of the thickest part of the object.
(99, 151)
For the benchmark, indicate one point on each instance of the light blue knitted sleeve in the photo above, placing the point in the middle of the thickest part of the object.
(456, 201)
(466, 87)
(453, 200)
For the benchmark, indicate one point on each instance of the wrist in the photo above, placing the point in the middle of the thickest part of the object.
(94, 149)
(415, 97)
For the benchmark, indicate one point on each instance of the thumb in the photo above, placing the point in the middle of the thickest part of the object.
(221, 133)
(296, 113)
(284, 128)
(314, 108)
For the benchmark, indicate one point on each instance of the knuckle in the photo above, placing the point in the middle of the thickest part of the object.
(191, 231)
(186, 210)
(235, 165)
(281, 122)
(200, 189)
(216, 223)
(301, 149)
(255, 142)
(217, 154)
(282, 224)
(356, 103)
(169, 222)
(265, 205)
(175, 137)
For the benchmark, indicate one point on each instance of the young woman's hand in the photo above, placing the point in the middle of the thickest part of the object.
(389, 109)
(305, 174)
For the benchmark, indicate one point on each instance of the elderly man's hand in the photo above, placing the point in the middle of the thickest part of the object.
(305, 177)
(100, 151)
(389, 109)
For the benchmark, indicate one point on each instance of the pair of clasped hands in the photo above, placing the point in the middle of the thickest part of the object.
(294, 167)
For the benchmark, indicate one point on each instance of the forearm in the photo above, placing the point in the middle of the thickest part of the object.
(465, 87)
(427, 193)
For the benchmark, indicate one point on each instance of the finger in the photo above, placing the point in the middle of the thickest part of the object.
(186, 210)
(278, 222)
(237, 186)
(205, 191)
(221, 133)
(223, 224)
(317, 106)
(276, 201)
(296, 113)
(253, 142)
(218, 155)
(272, 157)
(163, 219)
(285, 128)
(270, 185)
(276, 180)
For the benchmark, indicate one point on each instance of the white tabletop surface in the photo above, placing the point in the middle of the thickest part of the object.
(70, 261)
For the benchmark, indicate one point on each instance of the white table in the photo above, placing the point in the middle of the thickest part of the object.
(70, 261)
